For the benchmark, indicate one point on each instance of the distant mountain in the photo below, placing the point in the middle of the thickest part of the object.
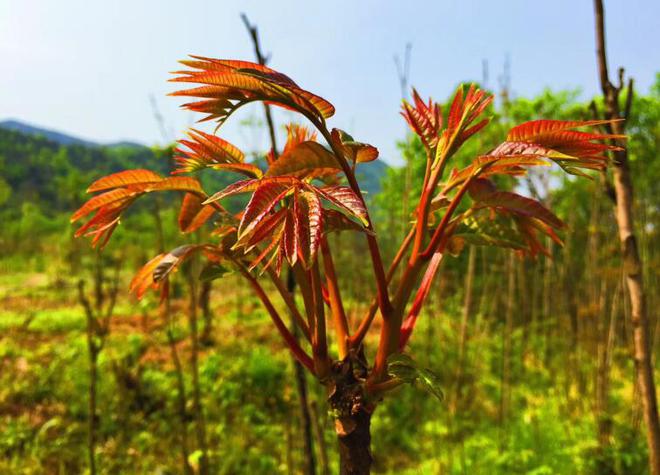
(60, 137)
(125, 144)
(370, 176)
(123, 154)
(52, 135)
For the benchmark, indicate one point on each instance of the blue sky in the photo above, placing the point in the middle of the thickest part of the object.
(88, 67)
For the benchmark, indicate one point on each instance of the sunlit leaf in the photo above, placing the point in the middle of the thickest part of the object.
(193, 213)
(307, 159)
(345, 198)
(356, 152)
(177, 183)
(228, 85)
(123, 179)
(205, 150)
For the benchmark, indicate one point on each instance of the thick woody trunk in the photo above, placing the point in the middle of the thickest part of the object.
(623, 191)
(352, 415)
(354, 448)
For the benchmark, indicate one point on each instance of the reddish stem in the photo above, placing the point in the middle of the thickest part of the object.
(336, 305)
(320, 347)
(290, 303)
(290, 340)
(365, 324)
(374, 251)
(439, 231)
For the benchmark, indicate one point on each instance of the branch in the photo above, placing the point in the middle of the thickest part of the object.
(336, 305)
(423, 292)
(290, 302)
(607, 184)
(254, 33)
(113, 294)
(629, 100)
(82, 298)
(391, 331)
(362, 330)
(439, 231)
(290, 340)
(377, 389)
(601, 53)
(320, 346)
(303, 280)
(374, 251)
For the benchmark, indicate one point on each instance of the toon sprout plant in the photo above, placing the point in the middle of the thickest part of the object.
(298, 198)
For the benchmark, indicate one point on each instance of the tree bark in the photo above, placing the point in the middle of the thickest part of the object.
(352, 414)
(631, 261)
(354, 448)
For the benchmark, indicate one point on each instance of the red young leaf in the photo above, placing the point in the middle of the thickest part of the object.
(204, 150)
(537, 130)
(314, 223)
(227, 85)
(177, 183)
(424, 119)
(193, 213)
(143, 279)
(156, 271)
(570, 149)
(346, 199)
(243, 186)
(265, 197)
(124, 178)
(246, 169)
(485, 194)
(171, 261)
(356, 152)
(307, 159)
(263, 230)
(465, 109)
(297, 134)
(289, 242)
(104, 199)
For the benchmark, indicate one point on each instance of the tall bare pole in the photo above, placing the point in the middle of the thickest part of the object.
(299, 371)
(403, 75)
(632, 265)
